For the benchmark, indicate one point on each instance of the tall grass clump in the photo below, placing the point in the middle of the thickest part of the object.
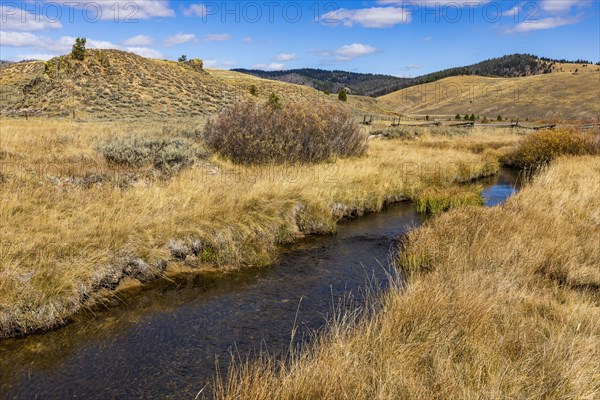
(539, 148)
(435, 200)
(253, 133)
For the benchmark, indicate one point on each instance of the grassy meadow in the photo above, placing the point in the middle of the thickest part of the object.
(76, 226)
(500, 303)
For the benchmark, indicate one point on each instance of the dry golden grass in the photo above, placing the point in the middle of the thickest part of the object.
(73, 224)
(558, 95)
(501, 303)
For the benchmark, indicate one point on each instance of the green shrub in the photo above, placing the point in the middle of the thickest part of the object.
(274, 102)
(539, 148)
(197, 63)
(252, 133)
(253, 90)
(342, 95)
(163, 154)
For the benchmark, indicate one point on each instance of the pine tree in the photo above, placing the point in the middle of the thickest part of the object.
(78, 51)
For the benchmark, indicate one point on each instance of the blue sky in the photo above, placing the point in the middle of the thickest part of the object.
(402, 38)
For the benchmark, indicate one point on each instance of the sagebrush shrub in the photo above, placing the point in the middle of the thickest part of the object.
(253, 133)
(162, 153)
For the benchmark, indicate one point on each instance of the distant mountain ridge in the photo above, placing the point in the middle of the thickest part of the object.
(5, 63)
(375, 85)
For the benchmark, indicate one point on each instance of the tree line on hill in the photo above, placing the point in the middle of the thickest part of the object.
(374, 85)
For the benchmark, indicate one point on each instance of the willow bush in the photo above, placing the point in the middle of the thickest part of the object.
(539, 148)
(254, 133)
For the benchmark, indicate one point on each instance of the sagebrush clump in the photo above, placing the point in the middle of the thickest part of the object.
(254, 133)
(164, 154)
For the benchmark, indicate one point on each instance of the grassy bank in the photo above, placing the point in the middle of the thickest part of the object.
(74, 223)
(501, 303)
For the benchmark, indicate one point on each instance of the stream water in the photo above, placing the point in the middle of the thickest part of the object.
(164, 340)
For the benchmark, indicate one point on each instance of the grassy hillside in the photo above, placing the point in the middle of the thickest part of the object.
(509, 66)
(112, 84)
(119, 85)
(564, 95)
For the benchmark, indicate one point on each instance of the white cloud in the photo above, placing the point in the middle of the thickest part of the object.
(426, 39)
(211, 63)
(180, 38)
(36, 56)
(217, 37)
(145, 52)
(560, 6)
(64, 44)
(270, 67)
(544, 23)
(247, 40)
(61, 45)
(100, 44)
(16, 19)
(352, 51)
(283, 57)
(18, 39)
(374, 17)
(139, 40)
(195, 9)
(436, 3)
(122, 10)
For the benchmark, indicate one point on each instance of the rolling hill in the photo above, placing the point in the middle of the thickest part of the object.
(112, 84)
(510, 66)
(560, 95)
